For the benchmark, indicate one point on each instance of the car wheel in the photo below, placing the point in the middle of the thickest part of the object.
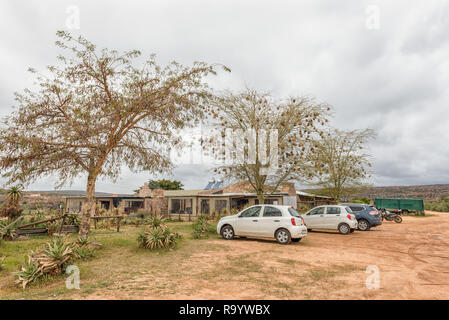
(398, 219)
(363, 225)
(296, 240)
(344, 228)
(227, 232)
(282, 236)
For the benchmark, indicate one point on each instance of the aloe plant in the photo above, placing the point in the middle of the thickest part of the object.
(29, 272)
(55, 256)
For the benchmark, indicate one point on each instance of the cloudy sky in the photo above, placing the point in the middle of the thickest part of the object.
(380, 64)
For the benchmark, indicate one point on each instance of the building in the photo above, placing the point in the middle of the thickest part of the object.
(187, 204)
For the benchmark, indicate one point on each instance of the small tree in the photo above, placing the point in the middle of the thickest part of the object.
(11, 208)
(98, 111)
(284, 130)
(340, 163)
(165, 184)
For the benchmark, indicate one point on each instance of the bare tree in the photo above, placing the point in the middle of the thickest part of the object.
(341, 163)
(96, 112)
(283, 130)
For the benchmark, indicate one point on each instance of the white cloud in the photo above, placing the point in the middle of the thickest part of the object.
(393, 79)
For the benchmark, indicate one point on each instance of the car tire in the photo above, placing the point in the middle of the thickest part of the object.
(296, 240)
(344, 228)
(397, 219)
(227, 232)
(283, 236)
(363, 225)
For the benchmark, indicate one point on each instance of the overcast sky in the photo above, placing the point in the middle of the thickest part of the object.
(380, 64)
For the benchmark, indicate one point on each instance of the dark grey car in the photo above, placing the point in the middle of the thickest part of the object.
(367, 216)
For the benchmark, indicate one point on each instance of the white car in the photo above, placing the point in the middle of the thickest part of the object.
(338, 218)
(265, 221)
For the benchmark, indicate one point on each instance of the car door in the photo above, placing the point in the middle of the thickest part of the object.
(247, 223)
(332, 217)
(269, 221)
(314, 218)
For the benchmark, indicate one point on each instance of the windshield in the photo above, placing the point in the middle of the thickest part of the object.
(293, 212)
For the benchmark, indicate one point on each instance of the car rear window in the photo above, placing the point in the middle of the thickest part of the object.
(356, 208)
(293, 212)
(272, 212)
(348, 210)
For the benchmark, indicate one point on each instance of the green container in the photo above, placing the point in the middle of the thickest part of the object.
(409, 204)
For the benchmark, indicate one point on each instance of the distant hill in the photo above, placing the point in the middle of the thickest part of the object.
(427, 192)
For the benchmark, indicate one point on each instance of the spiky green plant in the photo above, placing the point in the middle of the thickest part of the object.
(201, 227)
(55, 256)
(73, 219)
(29, 272)
(156, 222)
(82, 241)
(83, 252)
(158, 238)
(2, 263)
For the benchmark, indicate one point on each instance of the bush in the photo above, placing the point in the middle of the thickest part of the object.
(201, 227)
(2, 263)
(55, 256)
(157, 235)
(439, 206)
(52, 259)
(73, 220)
(83, 252)
(28, 273)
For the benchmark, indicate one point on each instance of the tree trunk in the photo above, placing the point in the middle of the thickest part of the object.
(260, 197)
(88, 208)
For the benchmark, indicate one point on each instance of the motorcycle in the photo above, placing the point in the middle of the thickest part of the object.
(390, 216)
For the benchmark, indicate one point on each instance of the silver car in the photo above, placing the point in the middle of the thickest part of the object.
(332, 217)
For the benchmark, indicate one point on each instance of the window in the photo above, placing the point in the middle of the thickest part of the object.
(205, 206)
(220, 205)
(348, 210)
(333, 210)
(272, 212)
(181, 206)
(319, 210)
(251, 212)
(356, 208)
(293, 212)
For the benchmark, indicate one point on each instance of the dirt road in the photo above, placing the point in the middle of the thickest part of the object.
(412, 259)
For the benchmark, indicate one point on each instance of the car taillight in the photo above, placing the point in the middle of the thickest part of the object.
(293, 221)
(373, 212)
(349, 216)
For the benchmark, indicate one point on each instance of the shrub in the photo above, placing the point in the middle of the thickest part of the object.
(82, 241)
(8, 233)
(201, 227)
(28, 273)
(55, 256)
(156, 222)
(83, 252)
(157, 235)
(52, 227)
(439, 206)
(52, 259)
(73, 220)
(2, 263)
